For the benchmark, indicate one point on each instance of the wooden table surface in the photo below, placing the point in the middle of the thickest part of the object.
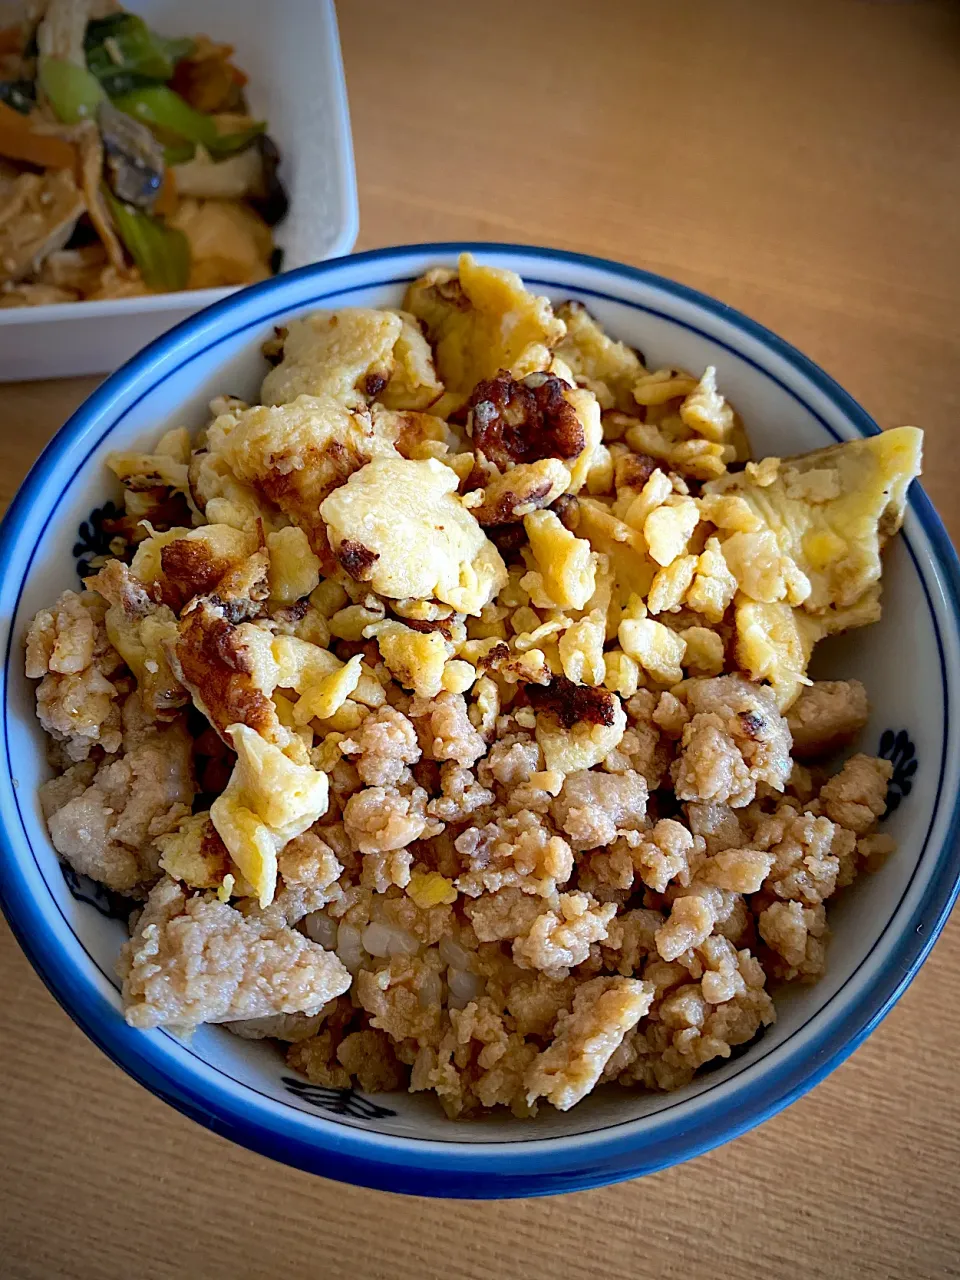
(798, 159)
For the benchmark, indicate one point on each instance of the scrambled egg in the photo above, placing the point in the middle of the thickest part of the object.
(430, 889)
(414, 383)
(581, 649)
(460, 553)
(166, 467)
(294, 569)
(345, 354)
(268, 800)
(399, 526)
(323, 682)
(713, 586)
(296, 454)
(566, 566)
(225, 499)
(706, 412)
(524, 488)
(460, 577)
(621, 673)
(624, 547)
(417, 659)
(668, 528)
(831, 511)
(608, 368)
(209, 552)
(195, 854)
(581, 746)
(813, 566)
(587, 409)
(774, 643)
(324, 700)
(654, 647)
(480, 320)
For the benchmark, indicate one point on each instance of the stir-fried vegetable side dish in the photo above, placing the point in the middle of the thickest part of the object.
(129, 163)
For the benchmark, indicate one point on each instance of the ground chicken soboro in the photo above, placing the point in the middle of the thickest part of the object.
(459, 751)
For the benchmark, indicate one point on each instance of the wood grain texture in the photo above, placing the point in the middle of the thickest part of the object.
(799, 160)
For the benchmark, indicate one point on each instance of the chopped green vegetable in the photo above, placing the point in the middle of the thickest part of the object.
(128, 82)
(179, 153)
(72, 91)
(122, 52)
(228, 144)
(162, 253)
(174, 121)
(166, 113)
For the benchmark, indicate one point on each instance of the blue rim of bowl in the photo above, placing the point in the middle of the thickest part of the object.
(420, 1166)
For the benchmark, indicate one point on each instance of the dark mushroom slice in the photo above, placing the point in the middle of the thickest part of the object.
(270, 200)
(133, 158)
(19, 94)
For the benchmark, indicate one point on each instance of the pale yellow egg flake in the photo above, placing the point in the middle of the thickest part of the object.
(600, 364)
(413, 383)
(668, 528)
(300, 664)
(625, 548)
(633, 508)
(165, 468)
(268, 800)
(657, 649)
(430, 889)
(323, 682)
(416, 659)
(324, 699)
(294, 569)
(706, 412)
(345, 354)
(399, 526)
(621, 673)
(187, 854)
(565, 563)
(207, 554)
(834, 541)
(713, 586)
(581, 649)
(587, 409)
(295, 454)
(458, 676)
(224, 498)
(581, 746)
(480, 320)
(704, 653)
(774, 643)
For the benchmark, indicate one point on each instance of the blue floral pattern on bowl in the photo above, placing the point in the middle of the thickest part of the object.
(898, 748)
(338, 1102)
(93, 540)
(113, 906)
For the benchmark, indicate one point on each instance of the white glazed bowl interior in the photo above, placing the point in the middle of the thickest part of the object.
(882, 928)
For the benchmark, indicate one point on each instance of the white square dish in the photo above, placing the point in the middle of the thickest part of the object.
(297, 85)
